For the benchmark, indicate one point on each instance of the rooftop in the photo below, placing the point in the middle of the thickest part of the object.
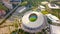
(54, 29)
(53, 6)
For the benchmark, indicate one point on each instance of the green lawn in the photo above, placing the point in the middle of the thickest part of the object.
(56, 12)
(32, 19)
(44, 12)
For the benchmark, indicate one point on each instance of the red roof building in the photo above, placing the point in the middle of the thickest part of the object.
(2, 13)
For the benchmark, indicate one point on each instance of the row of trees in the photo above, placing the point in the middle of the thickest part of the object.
(34, 3)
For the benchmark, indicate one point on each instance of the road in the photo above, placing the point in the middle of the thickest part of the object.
(18, 13)
(9, 22)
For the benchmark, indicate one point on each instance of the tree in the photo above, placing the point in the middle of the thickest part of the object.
(33, 2)
(3, 7)
(23, 3)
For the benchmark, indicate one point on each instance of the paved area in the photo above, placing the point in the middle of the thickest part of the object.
(6, 27)
(55, 29)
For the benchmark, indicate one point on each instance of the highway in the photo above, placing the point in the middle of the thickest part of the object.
(11, 13)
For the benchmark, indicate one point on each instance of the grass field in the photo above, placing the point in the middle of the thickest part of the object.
(56, 12)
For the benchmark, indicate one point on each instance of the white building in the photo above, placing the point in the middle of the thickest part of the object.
(53, 18)
(21, 9)
(35, 26)
(7, 4)
(44, 2)
(42, 8)
(55, 29)
(53, 6)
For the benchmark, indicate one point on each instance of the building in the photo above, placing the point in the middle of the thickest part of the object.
(33, 22)
(55, 29)
(42, 8)
(44, 2)
(11, 3)
(2, 13)
(54, 25)
(53, 18)
(53, 6)
(7, 4)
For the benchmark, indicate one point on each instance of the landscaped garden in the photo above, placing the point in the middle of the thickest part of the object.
(44, 12)
(56, 12)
